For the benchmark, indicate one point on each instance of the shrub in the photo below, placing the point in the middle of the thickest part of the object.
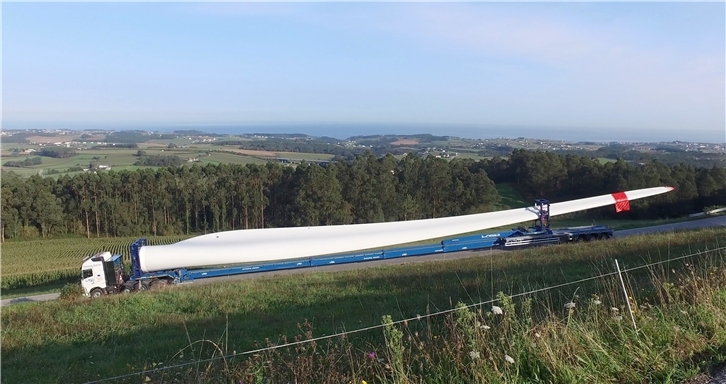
(71, 292)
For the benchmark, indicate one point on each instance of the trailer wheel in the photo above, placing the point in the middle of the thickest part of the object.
(96, 293)
(580, 239)
(125, 289)
(603, 236)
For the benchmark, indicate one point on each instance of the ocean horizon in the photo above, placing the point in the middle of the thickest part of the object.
(343, 131)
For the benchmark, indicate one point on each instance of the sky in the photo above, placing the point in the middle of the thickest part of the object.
(654, 71)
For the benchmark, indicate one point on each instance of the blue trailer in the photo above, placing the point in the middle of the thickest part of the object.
(103, 273)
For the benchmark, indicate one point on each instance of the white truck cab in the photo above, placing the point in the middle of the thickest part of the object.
(102, 273)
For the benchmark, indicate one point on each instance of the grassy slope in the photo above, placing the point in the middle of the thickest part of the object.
(510, 198)
(90, 339)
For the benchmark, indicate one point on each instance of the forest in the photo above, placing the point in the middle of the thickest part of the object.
(367, 188)
(25, 163)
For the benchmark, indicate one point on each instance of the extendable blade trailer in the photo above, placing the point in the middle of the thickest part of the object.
(270, 249)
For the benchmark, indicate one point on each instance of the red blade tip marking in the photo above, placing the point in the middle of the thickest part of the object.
(621, 202)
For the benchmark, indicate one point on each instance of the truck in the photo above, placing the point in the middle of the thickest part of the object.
(104, 274)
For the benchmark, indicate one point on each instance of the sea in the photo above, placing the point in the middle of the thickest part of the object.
(343, 131)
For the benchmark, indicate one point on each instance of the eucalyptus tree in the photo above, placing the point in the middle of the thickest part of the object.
(318, 196)
(436, 186)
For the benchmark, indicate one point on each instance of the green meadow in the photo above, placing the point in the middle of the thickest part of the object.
(679, 309)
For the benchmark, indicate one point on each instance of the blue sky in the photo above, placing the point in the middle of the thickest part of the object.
(656, 69)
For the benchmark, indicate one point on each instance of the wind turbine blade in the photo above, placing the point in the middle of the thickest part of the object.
(273, 244)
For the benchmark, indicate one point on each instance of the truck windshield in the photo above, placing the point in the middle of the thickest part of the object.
(86, 273)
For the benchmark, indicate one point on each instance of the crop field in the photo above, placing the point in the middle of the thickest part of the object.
(85, 340)
(40, 262)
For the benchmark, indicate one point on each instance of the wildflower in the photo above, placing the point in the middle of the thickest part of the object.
(485, 327)
(684, 312)
(537, 335)
(597, 302)
(474, 355)
(618, 317)
(418, 317)
(147, 379)
(570, 305)
(509, 359)
(372, 355)
(363, 382)
(614, 309)
(497, 310)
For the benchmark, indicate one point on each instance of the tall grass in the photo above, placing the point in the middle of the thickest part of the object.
(680, 320)
(88, 340)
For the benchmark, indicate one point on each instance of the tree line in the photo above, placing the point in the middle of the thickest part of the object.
(364, 189)
(29, 161)
(210, 198)
(562, 177)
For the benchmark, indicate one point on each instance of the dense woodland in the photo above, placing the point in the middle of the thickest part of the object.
(367, 188)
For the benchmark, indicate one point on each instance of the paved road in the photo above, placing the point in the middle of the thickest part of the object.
(30, 299)
(719, 221)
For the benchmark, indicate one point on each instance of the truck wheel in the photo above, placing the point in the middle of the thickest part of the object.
(125, 289)
(96, 293)
(580, 239)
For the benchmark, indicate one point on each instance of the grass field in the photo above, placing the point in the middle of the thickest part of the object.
(230, 158)
(87, 340)
(304, 156)
(470, 155)
(124, 159)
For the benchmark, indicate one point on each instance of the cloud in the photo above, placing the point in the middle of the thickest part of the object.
(609, 67)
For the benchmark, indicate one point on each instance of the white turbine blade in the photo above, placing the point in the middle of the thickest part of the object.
(274, 244)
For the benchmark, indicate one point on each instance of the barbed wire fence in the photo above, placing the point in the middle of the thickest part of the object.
(402, 321)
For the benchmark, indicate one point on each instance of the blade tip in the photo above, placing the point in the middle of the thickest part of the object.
(670, 188)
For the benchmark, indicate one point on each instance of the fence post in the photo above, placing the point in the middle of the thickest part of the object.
(625, 292)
